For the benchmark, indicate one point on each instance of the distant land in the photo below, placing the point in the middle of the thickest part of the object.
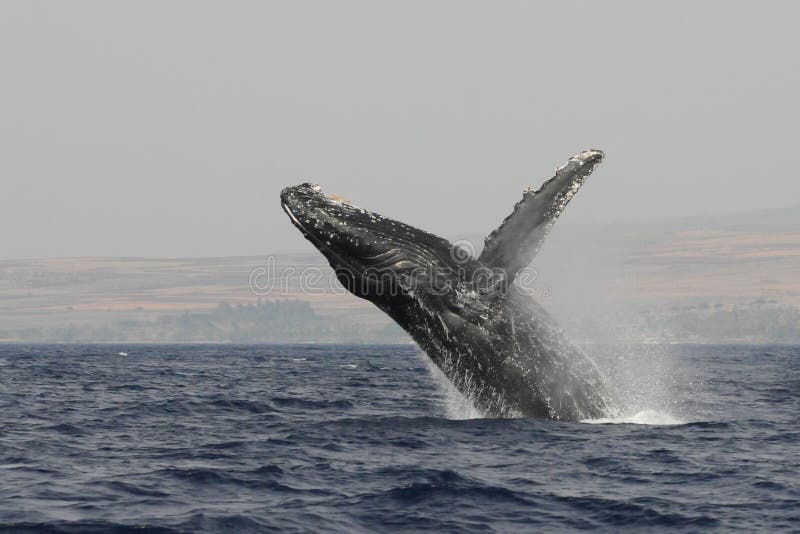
(731, 278)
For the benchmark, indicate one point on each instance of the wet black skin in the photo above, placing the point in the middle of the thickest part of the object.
(493, 341)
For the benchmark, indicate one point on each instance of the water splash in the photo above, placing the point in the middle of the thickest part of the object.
(456, 404)
(650, 386)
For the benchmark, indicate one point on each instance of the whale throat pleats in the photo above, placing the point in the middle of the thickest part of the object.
(514, 244)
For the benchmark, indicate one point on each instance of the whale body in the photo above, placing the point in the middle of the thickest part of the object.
(487, 334)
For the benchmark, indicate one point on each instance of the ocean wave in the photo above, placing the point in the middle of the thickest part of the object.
(241, 439)
(299, 402)
(644, 417)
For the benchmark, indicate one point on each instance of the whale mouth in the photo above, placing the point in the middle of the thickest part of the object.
(293, 218)
(335, 257)
(293, 198)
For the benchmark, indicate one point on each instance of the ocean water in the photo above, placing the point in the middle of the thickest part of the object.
(203, 438)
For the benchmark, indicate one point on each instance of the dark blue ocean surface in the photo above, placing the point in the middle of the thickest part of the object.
(336, 438)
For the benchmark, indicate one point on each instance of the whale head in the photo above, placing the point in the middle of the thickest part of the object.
(375, 257)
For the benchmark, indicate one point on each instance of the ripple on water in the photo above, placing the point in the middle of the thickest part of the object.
(243, 439)
(644, 417)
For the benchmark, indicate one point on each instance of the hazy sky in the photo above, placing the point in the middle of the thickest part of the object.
(169, 128)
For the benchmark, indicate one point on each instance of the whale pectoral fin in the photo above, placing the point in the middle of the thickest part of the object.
(514, 244)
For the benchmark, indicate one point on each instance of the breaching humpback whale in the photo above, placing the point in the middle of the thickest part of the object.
(492, 340)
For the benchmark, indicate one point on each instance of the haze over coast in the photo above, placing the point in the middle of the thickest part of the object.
(722, 278)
